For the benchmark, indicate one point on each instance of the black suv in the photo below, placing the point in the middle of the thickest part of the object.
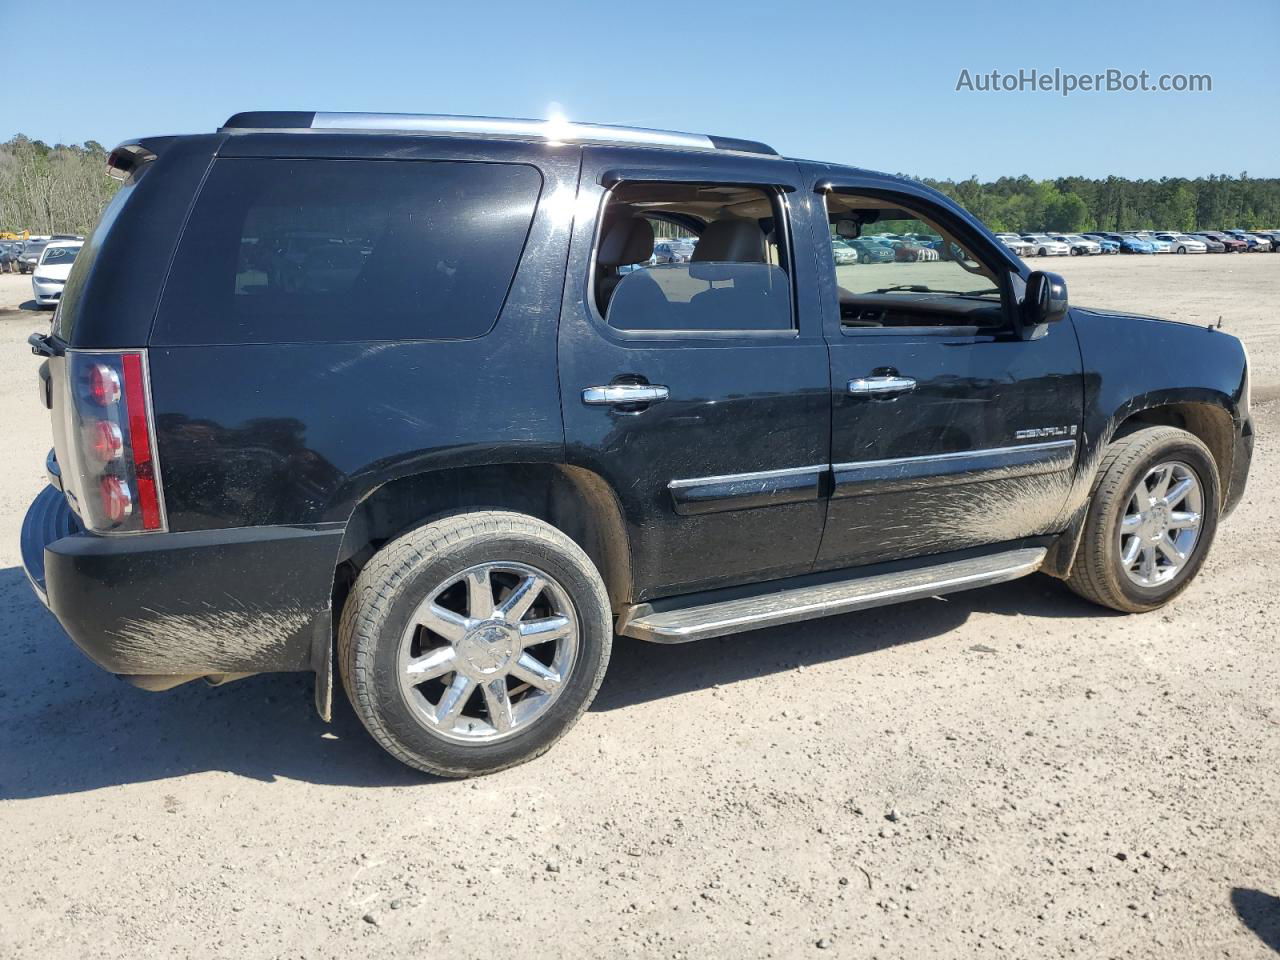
(407, 389)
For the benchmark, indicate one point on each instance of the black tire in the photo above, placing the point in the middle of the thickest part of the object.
(400, 576)
(1044, 252)
(1097, 574)
(1182, 249)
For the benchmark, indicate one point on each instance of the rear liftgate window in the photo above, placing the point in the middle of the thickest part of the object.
(288, 251)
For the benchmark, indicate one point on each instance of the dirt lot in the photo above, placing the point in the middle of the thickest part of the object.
(1009, 772)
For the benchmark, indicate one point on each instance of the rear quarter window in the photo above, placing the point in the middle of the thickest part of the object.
(287, 251)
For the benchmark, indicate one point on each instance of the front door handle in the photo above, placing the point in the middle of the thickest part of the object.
(624, 393)
(879, 386)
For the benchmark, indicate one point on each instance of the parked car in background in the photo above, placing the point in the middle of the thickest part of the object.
(1080, 246)
(9, 252)
(1157, 245)
(871, 251)
(843, 254)
(1273, 236)
(1183, 242)
(1129, 243)
(1046, 246)
(31, 251)
(1015, 243)
(1233, 244)
(50, 274)
(910, 251)
(1256, 243)
(672, 251)
(1211, 245)
(1108, 245)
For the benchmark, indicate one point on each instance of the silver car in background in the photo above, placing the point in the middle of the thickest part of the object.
(1183, 242)
(1020, 247)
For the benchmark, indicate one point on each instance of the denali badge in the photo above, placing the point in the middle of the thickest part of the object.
(1034, 432)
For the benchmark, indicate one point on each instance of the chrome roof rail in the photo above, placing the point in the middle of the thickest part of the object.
(563, 131)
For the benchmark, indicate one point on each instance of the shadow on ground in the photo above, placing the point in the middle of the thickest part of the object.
(70, 727)
(1260, 912)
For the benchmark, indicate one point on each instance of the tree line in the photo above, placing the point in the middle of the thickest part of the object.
(52, 189)
(64, 188)
(1075, 204)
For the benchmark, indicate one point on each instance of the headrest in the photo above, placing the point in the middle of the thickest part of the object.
(731, 241)
(626, 241)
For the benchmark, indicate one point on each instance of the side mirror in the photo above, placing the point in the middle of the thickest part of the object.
(1045, 300)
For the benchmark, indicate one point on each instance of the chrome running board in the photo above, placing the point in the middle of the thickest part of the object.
(665, 622)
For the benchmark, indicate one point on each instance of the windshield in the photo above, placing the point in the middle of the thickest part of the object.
(59, 256)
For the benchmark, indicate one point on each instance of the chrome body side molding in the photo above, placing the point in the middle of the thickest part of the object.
(740, 491)
(964, 466)
(665, 622)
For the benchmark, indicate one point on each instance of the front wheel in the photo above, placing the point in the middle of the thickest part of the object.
(1182, 249)
(1151, 521)
(475, 642)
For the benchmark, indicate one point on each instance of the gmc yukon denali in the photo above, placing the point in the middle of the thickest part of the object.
(406, 394)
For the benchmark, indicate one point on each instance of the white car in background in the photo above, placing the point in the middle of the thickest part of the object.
(1016, 244)
(1078, 245)
(1182, 243)
(50, 274)
(1046, 246)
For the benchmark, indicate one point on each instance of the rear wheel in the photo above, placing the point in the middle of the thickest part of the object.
(1151, 521)
(474, 643)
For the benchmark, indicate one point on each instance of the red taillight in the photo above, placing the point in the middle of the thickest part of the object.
(104, 385)
(117, 503)
(117, 484)
(106, 442)
(140, 441)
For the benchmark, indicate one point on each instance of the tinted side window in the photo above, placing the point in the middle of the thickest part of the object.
(342, 250)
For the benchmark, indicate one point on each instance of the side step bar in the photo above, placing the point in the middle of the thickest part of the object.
(663, 622)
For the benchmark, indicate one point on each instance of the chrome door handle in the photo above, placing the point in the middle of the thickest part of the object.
(620, 393)
(870, 386)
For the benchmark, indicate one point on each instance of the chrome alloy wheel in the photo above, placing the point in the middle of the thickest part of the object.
(488, 652)
(1161, 524)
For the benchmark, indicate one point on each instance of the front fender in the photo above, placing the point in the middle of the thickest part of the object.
(1133, 363)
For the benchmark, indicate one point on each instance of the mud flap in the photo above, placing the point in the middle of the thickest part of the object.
(322, 663)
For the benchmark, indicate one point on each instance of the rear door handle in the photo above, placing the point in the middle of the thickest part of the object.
(879, 386)
(623, 393)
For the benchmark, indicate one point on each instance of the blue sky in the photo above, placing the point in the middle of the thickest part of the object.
(870, 83)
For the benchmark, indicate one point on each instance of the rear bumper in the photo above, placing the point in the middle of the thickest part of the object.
(207, 602)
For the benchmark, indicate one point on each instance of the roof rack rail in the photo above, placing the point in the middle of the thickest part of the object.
(445, 125)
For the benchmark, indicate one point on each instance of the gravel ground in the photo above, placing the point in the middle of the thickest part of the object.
(1009, 771)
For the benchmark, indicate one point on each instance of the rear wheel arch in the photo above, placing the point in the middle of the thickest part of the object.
(575, 501)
